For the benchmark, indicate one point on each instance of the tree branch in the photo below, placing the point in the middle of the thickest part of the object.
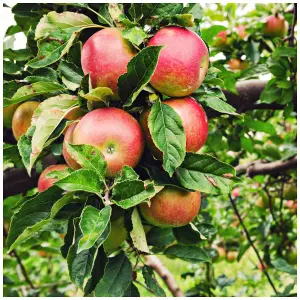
(258, 167)
(264, 270)
(154, 262)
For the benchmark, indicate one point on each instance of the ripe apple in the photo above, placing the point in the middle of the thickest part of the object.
(194, 122)
(114, 132)
(292, 205)
(231, 255)
(237, 64)
(182, 63)
(291, 256)
(8, 113)
(276, 26)
(117, 236)
(221, 38)
(221, 252)
(235, 193)
(241, 31)
(105, 56)
(171, 207)
(22, 118)
(45, 183)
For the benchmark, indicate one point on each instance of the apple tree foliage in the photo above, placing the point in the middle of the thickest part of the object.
(49, 70)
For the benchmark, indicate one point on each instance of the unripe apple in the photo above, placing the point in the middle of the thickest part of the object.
(182, 63)
(105, 56)
(237, 64)
(22, 118)
(117, 236)
(8, 113)
(45, 183)
(291, 256)
(194, 122)
(171, 207)
(276, 26)
(290, 191)
(241, 31)
(114, 132)
(231, 255)
(221, 38)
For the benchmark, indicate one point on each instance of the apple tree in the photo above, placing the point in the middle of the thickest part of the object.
(138, 131)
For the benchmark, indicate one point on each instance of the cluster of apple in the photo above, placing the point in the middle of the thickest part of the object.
(275, 26)
(181, 68)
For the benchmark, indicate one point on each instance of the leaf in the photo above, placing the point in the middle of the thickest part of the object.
(151, 282)
(137, 233)
(34, 214)
(82, 180)
(191, 254)
(88, 157)
(43, 74)
(11, 68)
(24, 146)
(252, 51)
(71, 75)
(99, 94)
(207, 230)
(132, 291)
(187, 234)
(185, 20)
(129, 193)
(271, 93)
(168, 135)
(160, 236)
(139, 72)
(117, 277)
(127, 173)
(11, 155)
(254, 71)
(260, 126)
(92, 224)
(35, 89)
(205, 173)
(219, 105)
(208, 34)
(285, 52)
(281, 265)
(160, 9)
(135, 35)
(18, 55)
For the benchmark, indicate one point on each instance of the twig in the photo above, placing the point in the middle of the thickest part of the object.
(154, 262)
(264, 270)
(291, 36)
(24, 272)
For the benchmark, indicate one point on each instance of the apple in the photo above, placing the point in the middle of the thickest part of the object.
(221, 253)
(221, 38)
(263, 201)
(105, 56)
(45, 183)
(182, 63)
(241, 31)
(8, 113)
(262, 267)
(231, 255)
(292, 205)
(194, 122)
(237, 64)
(290, 191)
(276, 26)
(114, 132)
(171, 207)
(291, 256)
(22, 118)
(117, 236)
(235, 193)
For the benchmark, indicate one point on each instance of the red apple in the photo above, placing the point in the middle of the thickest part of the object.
(44, 183)
(194, 122)
(182, 63)
(237, 64)
(171, 207)
(105, 56)
(231, 255)
(114, 132)
(235, 192)
(221, 38)
(241, 31)
(276, 26)
(22, 118)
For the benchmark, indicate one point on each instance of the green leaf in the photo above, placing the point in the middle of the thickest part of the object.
(187, 234)
(11, 68)
(271, 93)
(71, 75)
(82, 180)
(219, 105)
(139, 72)
(88, 157)
(9, 89)
(185, 20)
(151, 282)
(208, 34)
(207, 230)
(18, 55)
(99, 94)
(168, 135)
(132, 291)
(34, 214)
(138, 234)
(92, 224)
(160, 236)
(281, 265)
(205, 173)
(38, 88)
(11, 155)
(135, 35)
(254, 71)
(160, 9)
(43, 74)
(260, 126)
(117, 277)
(127, 173)
(24, 146)
(191, 254)
(129, 193)
(252, 51)
(285, 52)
